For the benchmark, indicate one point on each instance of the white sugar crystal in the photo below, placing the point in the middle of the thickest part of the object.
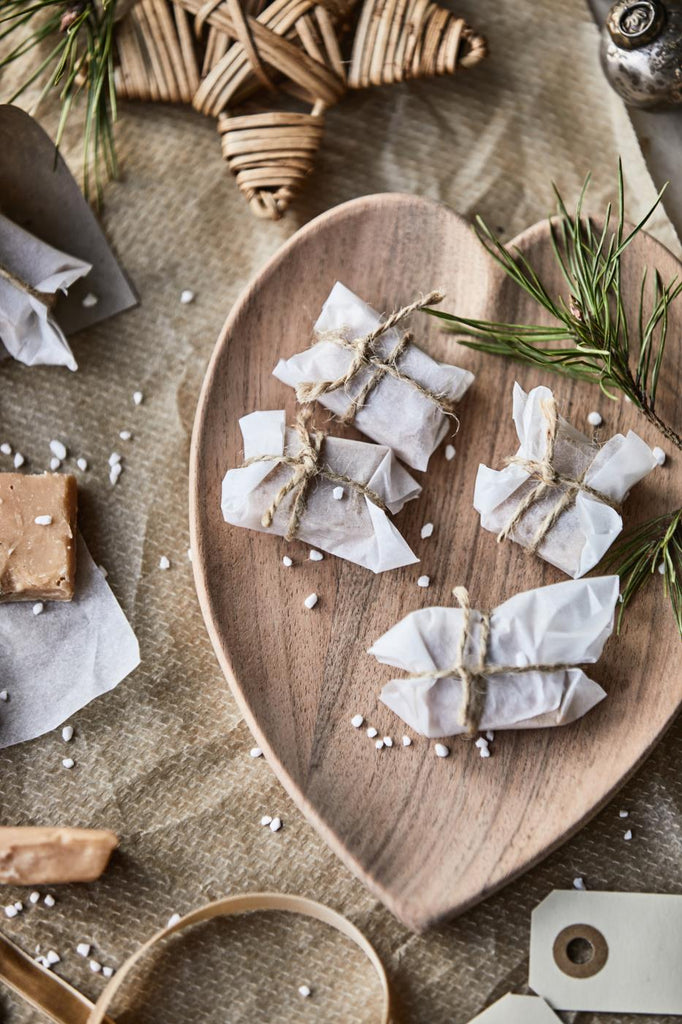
(34, 897)
(407, 742)
(482, 745)
(266, 819)
(275, 824)
(4, 695)
(658, 454)
(90, 300)
(18, 460)
(287, 561)
(55, 463)
(628, 835)
(52, 957)
(5, 448)
(114, 459)
(441, 750)
(108, 972)
(315, 556)
(58, 449)
(623, 814)
(138, 397)
(49, 900)
(311, 600)
(423, 581)
(338, 493)
(371, 732)
(164, 562)
(186, 296)
(43, 520)
(38, 608)
(67, 733)
(379, 744)
(256, 752)
(173, 919)
(356, 721)
(18, 906)
(579, 883)
(449, 452)
(95, 966)
(304, 990)
(11, 910)
(594, 419)
(388, 742)
(125, 435)
(83, 949)
(68, 762)
(427, 531)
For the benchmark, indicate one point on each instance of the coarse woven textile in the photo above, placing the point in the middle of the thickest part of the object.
(164, 759)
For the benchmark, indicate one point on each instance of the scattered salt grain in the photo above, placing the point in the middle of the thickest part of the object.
(67, 733)
(275, 824)
(490, 735)
(256, 752)
(371, 732)
(43, 520)
(441, 750)
(55, 463)
(338, 493)
(658, 454)
(594, 419)
(310, 601)
(103, 571)
(114, 459)
(427, 531)
(356, 721)
(58, 449)
(164, 562)
(189, 554)
(5, 448)
(173, 919)
(407, 742)
(68, 762)
(115, 472)
(483, 747)
(449, 452)
(315, 556)
(49, 900)
(186, 297)
(125, 435)
(423, 581)
(266, 819)
(38, 608)
(95, 966)
(623, 814)
(83, 949)
(304, 990)
(52, 957)
(11, 910)
(579, 883)
(4, 695)
(287, 561)
(138, 397)
(18, 460)
(108, 972)
(18, 906)
(628, 835)
(388, 742)
(34, 897)
(661, 568)
(90, 300)
(379, 744)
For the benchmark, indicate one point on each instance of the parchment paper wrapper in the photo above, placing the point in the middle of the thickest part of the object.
(566, 623)
(422, 425)
(28, 331)
(55, 663)
(588, 527)
(353, 528)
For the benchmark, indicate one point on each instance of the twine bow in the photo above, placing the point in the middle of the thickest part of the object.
(307, 464)
(548, 478)
(364, 356)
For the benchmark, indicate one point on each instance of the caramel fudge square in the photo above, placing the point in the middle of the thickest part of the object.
(37, 537)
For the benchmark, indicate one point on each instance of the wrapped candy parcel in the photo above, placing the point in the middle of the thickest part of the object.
(326, 491)
(369, 375)
(560, 495)
(515, 668)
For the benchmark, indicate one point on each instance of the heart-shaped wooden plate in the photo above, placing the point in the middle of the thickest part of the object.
(429, 836)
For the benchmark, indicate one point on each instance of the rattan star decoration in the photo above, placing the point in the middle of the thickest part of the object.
(218, 54)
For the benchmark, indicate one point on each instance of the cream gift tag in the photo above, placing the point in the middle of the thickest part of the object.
(512, 1009)
(608, 952)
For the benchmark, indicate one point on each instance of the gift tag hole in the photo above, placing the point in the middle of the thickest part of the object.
(580, 951)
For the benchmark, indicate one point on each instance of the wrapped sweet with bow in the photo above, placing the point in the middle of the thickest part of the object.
(515, 668)
(560, 495)
(364, 371)
(327, 491)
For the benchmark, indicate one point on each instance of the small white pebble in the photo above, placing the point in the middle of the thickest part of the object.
(43, 520)
(55, 463)
(594, 419)
(83, 949)
(125, 435)
(90, 300)
(490, 735)
(356, 721)
(388, 742)
(4, 695)
(287, 561)
(266, 819)
(379, 744)
(275, 824)
(52, 957)
(186, 296)
(315, 556)
(407, 742)
(256, 752)
(658, 454)
(310, 601)
(661, 568)
(18, 460)
(304, 990)
(34, 897)
(189, 554)
(423, 581)
(49, 900)
(441, 750)
(138, 397)
(38, 608)
(482, 745)
(579, 883)
(427, 531)
(95, 966)
(114, 459)
(164, 562)
(68, 762)
(173, 919)
(5, 448)
(11, 910)
(67, 733)
(337, 493)
(449, 452)
(58, 449)
(623, 814)
(371, 732)
(108, 972)
(628, 835)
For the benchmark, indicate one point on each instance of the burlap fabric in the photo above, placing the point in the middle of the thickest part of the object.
(164, 758)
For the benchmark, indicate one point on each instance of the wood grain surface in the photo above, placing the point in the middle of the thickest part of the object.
(429, 836)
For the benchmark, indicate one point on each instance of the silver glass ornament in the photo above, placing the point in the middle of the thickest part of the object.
(641, 51)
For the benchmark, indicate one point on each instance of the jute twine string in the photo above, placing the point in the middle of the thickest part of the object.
(474, 678)
(47, 298)
(363, 349)
(307, 464)
(548, 479)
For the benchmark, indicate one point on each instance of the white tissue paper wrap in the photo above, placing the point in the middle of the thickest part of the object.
(353, 528)
(566, 623)
(395, 413)
(53, 664)
(587, 528)
(28, 331)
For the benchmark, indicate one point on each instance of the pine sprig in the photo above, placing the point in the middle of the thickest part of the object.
(80, 63)
(654, 547)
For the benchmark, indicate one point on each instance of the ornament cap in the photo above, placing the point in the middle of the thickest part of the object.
(634, 23)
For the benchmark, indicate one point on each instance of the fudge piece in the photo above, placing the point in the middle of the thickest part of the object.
(37, 537)
(32, 855)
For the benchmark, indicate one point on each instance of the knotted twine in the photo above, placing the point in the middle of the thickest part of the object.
(474, 678)
(364, 356)
(548, 478)
(307, 465)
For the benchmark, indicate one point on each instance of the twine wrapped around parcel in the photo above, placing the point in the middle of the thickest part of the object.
(47, 298)
(307, 464)
(548, 478)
